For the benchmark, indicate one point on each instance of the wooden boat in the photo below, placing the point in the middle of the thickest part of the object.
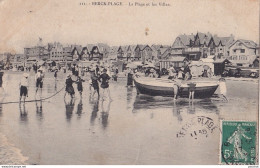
(164, 87)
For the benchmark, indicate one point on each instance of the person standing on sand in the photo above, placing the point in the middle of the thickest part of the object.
(39, 81)
(79, 85)
(24, 84)
(129, 77)
(223, 88)
(115, 75)
(172, 72)
(104, 78)
(76, 72)
(191, 90)
(94, 83)
(69, 87)
(180, 74)
(175, 91)
(176, 86)
(56, 74)
(97, 69)
(210, 73)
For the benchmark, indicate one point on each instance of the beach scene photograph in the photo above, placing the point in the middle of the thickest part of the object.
(157, 82)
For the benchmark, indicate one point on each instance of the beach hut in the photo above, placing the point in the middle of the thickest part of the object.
(219, 66)
(209, 62)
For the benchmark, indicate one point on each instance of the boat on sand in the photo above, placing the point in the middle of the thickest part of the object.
(164, 87)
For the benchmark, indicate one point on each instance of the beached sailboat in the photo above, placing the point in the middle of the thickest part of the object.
(164, 87)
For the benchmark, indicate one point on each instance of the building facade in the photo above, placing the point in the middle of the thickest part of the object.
(222, 46)
(122, 53)
(56, 52)
(76, 52)
(85, 54)
(201, 45)
(243, 52)
(36, 53)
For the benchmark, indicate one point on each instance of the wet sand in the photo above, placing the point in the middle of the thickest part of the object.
(132, 129)
(10, 155)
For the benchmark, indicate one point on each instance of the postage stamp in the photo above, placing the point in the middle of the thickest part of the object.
(238, 142)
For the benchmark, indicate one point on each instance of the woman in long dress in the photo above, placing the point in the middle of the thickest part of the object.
(69, 87)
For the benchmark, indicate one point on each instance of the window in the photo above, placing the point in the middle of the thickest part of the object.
(242, 51)
(234, 51)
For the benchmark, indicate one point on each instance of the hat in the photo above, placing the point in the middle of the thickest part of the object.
(104, 70)
(25, 75)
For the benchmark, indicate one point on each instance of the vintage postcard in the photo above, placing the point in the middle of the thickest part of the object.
(124, 82)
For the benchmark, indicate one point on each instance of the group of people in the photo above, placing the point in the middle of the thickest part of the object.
(98, 77)
(185, 74)
(99, 80)
(207, 73)
(24, 83)
(182, 73)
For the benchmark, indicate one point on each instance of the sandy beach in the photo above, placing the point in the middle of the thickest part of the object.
(10, 155)
(132, 129)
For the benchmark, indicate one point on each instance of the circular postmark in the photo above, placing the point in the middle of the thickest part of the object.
(197, 127)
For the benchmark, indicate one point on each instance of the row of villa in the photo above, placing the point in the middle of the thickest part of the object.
(57, 52)
(199, 47)
(193, 47)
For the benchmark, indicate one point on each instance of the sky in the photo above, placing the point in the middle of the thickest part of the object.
(24, 21)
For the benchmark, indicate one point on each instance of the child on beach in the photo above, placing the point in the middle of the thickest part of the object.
(223, 88)
(39, 81)
(24, 83)
(191, 90)
(176, 86)
(79, 85)
(94, 83)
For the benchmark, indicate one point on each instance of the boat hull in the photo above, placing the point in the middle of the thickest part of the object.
(157, 90)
